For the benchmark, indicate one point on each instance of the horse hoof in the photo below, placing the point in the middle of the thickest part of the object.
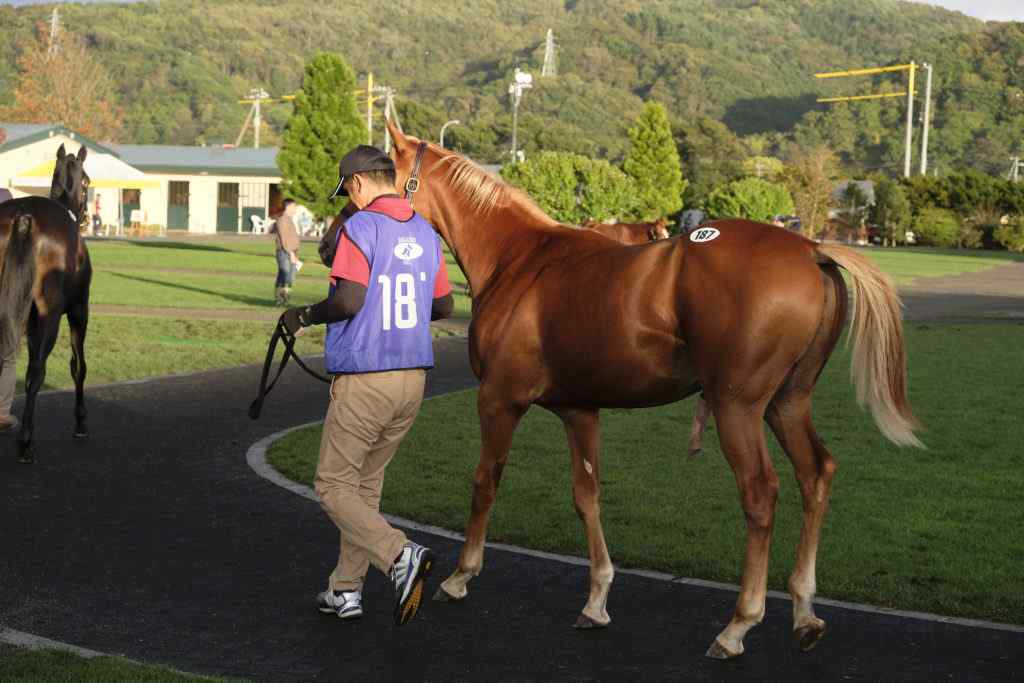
(26, 457)
(807, 637)
(694, 452)
(443, 596)
(719, 651)
(81, 434)
(584, 622)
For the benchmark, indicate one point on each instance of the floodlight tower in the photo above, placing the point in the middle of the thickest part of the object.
(521, 81)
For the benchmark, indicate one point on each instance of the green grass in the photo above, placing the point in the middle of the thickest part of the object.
(936, 530)
(236, 274)
(120, 348)
(52, 666)
(906, 265)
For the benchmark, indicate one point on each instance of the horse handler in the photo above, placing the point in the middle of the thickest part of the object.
(388, 281)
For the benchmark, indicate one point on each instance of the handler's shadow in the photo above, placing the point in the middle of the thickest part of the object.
(238, 298)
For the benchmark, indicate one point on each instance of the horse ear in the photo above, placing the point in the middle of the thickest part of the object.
(399, 138)
(81, 154)
(60, 151)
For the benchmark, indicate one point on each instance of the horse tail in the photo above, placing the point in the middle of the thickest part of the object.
(879, 368)
(17, 276)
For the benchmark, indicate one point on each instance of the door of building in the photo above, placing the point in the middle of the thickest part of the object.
(130, 201)
(177, 205)
(227, 207)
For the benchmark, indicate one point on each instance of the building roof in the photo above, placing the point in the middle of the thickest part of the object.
(210, 160)
(21, 134)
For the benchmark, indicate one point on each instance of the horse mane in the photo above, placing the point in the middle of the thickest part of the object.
(483, 191)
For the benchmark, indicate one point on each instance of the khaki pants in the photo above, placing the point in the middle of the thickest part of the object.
(8, 380)
(367, 419)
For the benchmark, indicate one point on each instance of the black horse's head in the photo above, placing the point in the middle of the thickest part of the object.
(70, 184)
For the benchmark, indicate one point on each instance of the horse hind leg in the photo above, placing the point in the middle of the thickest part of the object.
(583, 430)
(78, 323)
(700, 421)
(497, 423)
(42, 335)
(741, 434)
(790, 418)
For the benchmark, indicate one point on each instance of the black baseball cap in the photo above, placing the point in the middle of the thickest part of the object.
(362, 158)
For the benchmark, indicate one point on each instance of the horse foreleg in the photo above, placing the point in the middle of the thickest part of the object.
(790, 419)
(497, 423)
(700, 420)
(78, 322)
(743, 443)
(584, 432)
(42, 335)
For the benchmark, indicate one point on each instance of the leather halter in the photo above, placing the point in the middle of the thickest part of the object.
(413, 183)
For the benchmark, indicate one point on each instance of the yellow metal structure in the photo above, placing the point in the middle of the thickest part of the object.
(851, 98)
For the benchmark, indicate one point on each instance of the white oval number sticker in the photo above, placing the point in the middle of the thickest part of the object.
(407, 251)
(704, 234)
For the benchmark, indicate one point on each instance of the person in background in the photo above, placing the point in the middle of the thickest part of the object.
(287, 238)
(388, 281)
(8, 370)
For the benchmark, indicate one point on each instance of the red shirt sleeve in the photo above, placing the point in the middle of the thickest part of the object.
(441, 285)
(350, 263)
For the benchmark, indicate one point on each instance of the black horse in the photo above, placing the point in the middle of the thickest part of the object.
(45, 273)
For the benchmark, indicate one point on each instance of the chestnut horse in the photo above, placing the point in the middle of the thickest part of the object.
(631, 233)
(45, 273)
(747, 312)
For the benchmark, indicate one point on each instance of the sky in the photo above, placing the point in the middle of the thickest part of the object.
(989, 10)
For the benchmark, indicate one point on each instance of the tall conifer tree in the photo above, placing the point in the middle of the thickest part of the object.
(653, 162)
(324, 126)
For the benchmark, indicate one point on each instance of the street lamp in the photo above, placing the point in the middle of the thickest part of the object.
(521, 81)
(453, 122)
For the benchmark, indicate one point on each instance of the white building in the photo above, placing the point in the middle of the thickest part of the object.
(198, 189)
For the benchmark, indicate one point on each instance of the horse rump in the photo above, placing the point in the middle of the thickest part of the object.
(17, 275)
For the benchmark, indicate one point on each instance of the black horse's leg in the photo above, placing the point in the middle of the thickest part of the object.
(42, 335)
(78, 322)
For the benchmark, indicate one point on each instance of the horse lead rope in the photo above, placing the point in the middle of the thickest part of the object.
(280, 333)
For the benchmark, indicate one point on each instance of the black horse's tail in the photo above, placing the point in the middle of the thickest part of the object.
(17, 275)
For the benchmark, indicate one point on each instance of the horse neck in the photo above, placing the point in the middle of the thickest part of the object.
(482, 240)
(64, 199)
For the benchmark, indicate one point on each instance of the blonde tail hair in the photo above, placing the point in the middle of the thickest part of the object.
(879, 368)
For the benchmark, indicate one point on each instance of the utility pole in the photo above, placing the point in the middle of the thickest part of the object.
(369, 107)
(910, 120)
(927, 117)
(550, 67)
(521, 81)
(256, 97)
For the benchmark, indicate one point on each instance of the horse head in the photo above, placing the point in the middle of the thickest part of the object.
(658, 230)
(70, 185)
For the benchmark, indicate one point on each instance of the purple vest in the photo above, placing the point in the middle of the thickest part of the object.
(392, 329)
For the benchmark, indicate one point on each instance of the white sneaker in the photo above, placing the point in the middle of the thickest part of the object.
(408, 574)
(346, 604)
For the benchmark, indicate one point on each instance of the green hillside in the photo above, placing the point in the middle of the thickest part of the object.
(182, 65)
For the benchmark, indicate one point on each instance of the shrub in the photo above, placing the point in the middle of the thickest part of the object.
(1011, 235)
(937, 228)
(753, 198)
